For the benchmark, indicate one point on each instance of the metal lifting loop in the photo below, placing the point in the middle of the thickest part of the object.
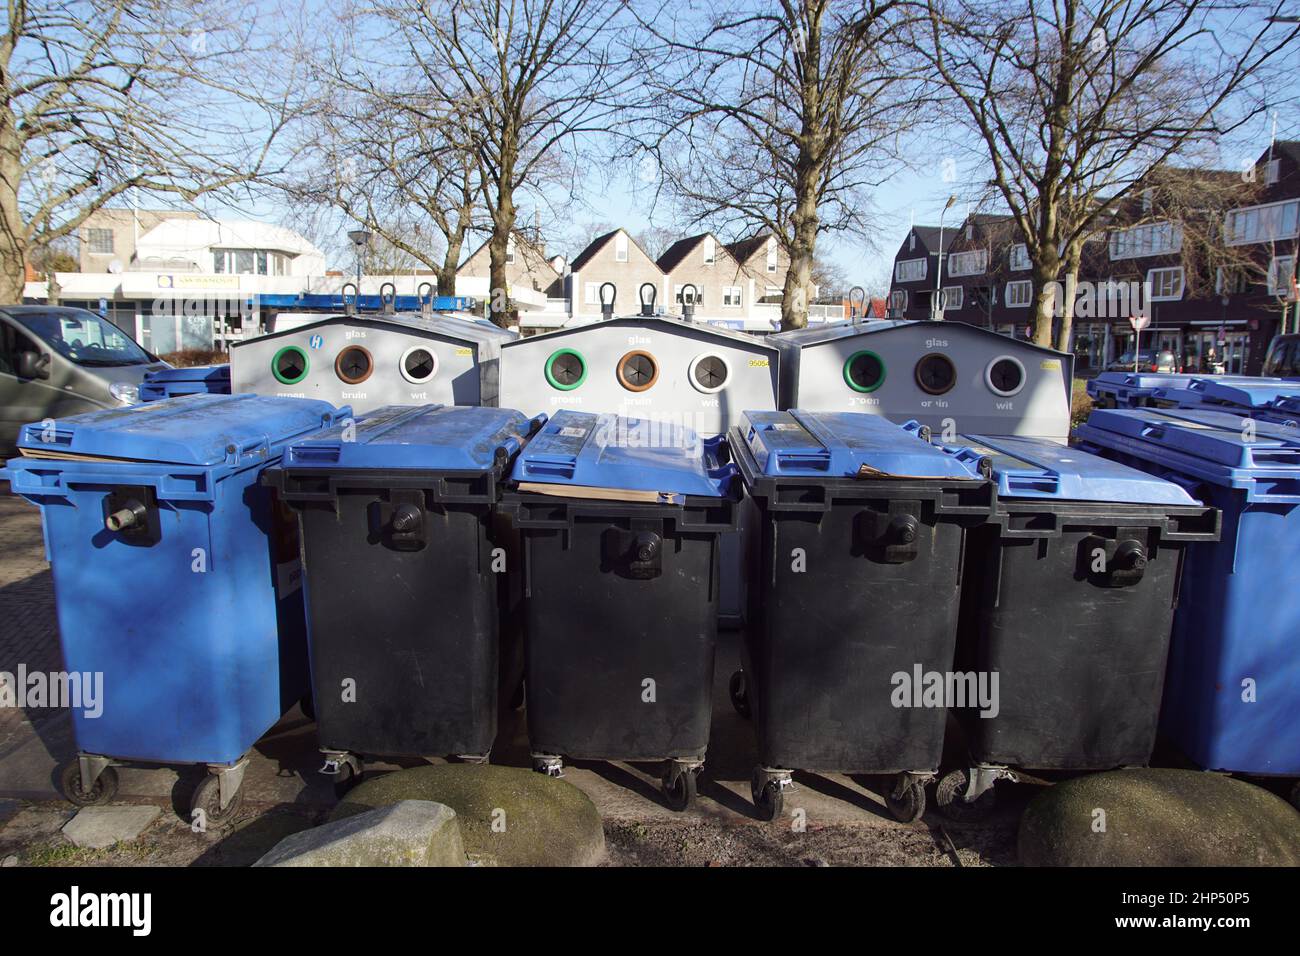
(607, 308)
(388, 300)
(350, 306)
(688, 302)
(648, 306)
(855, 300)
(426, 300)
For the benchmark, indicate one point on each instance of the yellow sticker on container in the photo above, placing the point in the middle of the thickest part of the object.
(464, 351)
(1051, 365)
(758, 363)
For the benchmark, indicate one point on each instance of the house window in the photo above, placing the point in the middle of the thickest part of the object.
(911, 242)
(971, 263)
(898, 300)
(280, 263)
(510, 250)
(909, 270)
(1151, 239)
(261, 262)
(1019, 257)
(1229, 281)
(620, 247)
(100, 241)
(1166, 285)
(953, 296)
(592, 292)
(970, 230)
(731, 296)
(771, 254)
(710, 251)
(696, 299)
(1148, 197)
(218, 261)
(1019, 294)
(1272, 171)
(1281, 272)
(1279, 220)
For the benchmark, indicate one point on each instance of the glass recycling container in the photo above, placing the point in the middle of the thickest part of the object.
(1068, 606)
(862, 524)
(621, 520)
(176, 577)
(406, 567)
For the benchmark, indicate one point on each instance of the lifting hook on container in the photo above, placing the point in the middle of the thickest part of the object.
(607, 308)
(388, 299)
(855, 300)
(426, 300)
(688, 301)
(648, 303)
(350, 305)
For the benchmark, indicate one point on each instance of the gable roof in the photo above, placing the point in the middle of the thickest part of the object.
(586, 255)
(675, 254)
(520, 239)
(929, 236)
(744, 250)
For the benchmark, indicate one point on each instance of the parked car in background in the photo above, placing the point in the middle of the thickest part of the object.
(1148, 360)
(1283, 358)
(56, 362)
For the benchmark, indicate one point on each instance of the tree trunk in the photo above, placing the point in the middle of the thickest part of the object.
(503, 224)
(803, 247)
(1073, 259)
(1046, 269)
(447, 274)
(13, 232)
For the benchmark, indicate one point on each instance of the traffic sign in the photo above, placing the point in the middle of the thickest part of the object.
(1139, 322)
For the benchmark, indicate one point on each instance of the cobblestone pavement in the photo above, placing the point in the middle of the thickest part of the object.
(29, 632)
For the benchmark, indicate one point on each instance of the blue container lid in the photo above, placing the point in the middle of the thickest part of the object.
(805, 444)
(195, 430)
(1037, 468)
(1210, 445)
(584, 450)
(1246, 393)
(195, 373)
(1142, 379)
(424, 437)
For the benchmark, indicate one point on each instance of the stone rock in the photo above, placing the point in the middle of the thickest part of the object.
(95, 828)
(1159, 817)
(508, 816)
(406, 833)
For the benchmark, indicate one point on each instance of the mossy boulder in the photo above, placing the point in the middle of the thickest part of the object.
(508, 816)
(1158, 817)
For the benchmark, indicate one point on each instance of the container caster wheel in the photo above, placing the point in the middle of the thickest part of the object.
(768, 795)
(738, 689)
(950, 797)
(679, 790)
(346, 780)
(550, 766)
(207, 798)
(104, 789)
(906, 800)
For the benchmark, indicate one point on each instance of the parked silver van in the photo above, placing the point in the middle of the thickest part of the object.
(56, 362)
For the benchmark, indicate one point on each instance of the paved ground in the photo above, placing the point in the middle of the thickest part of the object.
(843, 820)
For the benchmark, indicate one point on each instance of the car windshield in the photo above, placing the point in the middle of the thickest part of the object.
(85, 338)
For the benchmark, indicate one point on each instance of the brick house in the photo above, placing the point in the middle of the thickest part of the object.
(616, 258)
(1216, 301)
(764, 264)
(527, 265)
(722, 284)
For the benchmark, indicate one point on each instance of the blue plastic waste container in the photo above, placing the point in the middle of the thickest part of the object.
(1131, 389)
(1067, 604)
(175, 577)
(401, 543)
(1232, 695)
(176, 382)
(621, 520)
(854, 607)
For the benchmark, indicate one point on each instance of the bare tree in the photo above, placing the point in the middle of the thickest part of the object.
(532, 77)
(777, 117)
(1076, 102)
(102, 97)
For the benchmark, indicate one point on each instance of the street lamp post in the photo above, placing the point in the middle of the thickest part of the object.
(360, 238)
(936, 308)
